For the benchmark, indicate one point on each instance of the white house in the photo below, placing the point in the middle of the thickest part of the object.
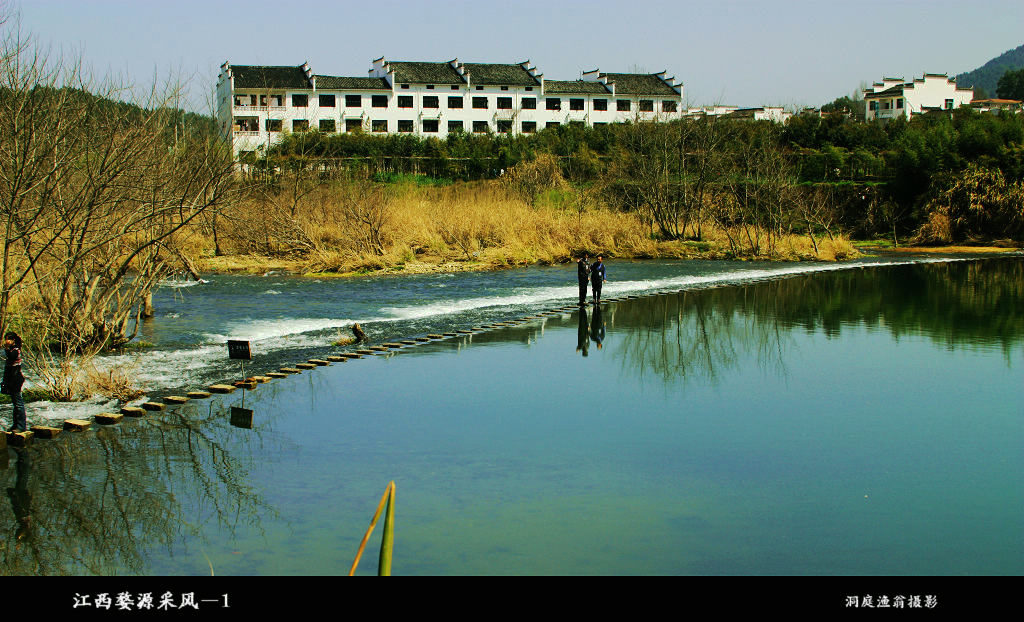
(257, 105)
(892, 97)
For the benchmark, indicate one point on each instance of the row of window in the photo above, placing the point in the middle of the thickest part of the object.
(429, 126)
(301, 100)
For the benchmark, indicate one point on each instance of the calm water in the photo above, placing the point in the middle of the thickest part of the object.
(734, 419)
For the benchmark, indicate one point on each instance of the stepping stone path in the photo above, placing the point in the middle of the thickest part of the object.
(379, 348)
(245, 384)
(410, 342)
(77, 424)
(277, 374)
(437, 336)
(393, 345)
(220, 388)
(175, 399)
(20, 439)
(320, 362)
(154, 406)
(305, 365)
(336, 358)
(423, 339)
(133, 411)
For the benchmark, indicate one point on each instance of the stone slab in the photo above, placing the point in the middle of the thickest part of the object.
(220, 388)
(245, 384)
(175, 399)
(335, 358)
(154, 406)
(198, 395)
(77, 424)
(133, 411)
(43, 431)
(320, 362)
(20, 439)
(305, 365)
(290, 370)
(277, 374)
(108, 418)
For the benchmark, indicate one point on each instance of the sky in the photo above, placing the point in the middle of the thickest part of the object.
(792, 53)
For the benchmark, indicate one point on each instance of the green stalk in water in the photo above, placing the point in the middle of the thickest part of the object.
(387, 543)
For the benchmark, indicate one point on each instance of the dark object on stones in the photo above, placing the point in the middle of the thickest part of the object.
(357, 330)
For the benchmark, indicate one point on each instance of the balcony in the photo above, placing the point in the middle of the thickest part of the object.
(251, 109)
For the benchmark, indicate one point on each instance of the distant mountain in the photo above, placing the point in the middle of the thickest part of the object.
(987, 76)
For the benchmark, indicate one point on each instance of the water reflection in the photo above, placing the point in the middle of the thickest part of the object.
(583, 333)
(104, 502)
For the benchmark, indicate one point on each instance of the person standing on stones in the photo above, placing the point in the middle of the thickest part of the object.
(583, 276)
(597, 278)
(14, 380)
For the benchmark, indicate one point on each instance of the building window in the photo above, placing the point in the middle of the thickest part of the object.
(899, 103)
(668, 106)
(327, 101)
(430, 87)
(405, 101)
(479, 88)
(551, 124)
(504, 88)
(575, 104)
(380, 125)
(455, 101)
(480, 102)
(405, 125)
(622, 105)
(949, 104)
(430, 126)
(646, 105)
(380, 101)
(599, 123)
(600, 104)
(529, 88)
(430, 101)
(353, 125)
(353, 101)
(455, 87)
(481, 126)
(455, 126)
(405, 86)
(554, 103)
(529, 103)
(300, 125)
(504, 103)
(327, 125)
(273, 125)
(504, 126)
(300, 101)
(529, 127)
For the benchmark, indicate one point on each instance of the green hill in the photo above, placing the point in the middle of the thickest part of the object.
(987, 76)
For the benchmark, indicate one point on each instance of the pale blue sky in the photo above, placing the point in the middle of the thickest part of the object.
(787, 52)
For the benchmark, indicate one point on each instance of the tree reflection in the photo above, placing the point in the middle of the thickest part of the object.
(103, 502)
(700, 334)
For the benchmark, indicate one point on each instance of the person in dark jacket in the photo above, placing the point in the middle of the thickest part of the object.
(597, 278)
(583, 276)
(13, 381)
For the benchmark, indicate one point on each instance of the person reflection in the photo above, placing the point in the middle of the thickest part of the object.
(597, 327)
(21, 498)
(583, 333)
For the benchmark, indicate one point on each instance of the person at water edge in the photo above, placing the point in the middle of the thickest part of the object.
(583, 275)
(13, 381)
(597, 278)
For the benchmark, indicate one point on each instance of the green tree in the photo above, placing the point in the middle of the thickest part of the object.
(1011, 85)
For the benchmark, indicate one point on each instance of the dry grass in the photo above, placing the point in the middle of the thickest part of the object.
(475, 226)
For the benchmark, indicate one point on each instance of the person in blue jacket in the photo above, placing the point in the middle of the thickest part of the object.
(597, 278)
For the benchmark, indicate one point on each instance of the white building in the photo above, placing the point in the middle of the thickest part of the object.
(258, 105)
(892, 97)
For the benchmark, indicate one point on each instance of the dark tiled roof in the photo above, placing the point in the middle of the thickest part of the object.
(269, 77)
(639, 84)
(496, 73)
(425, 73)
(340, 83)
(571, 87)
(892, 91)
